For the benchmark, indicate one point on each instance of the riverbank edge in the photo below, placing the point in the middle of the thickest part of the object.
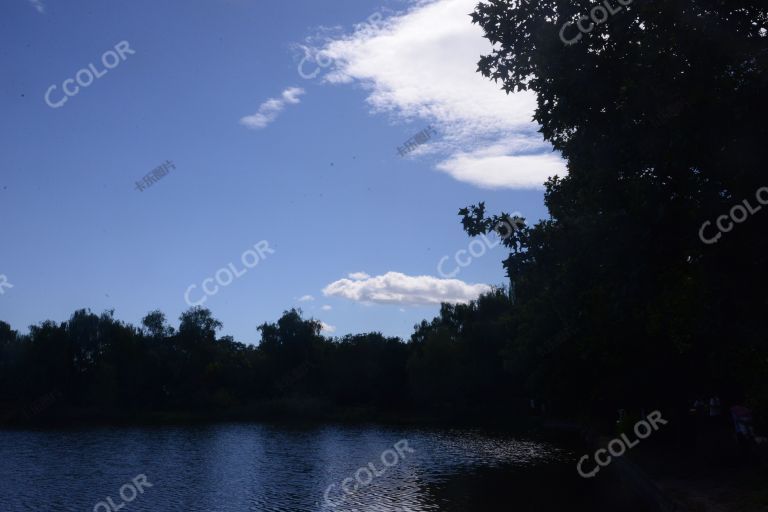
(290, 411)
(623, 467)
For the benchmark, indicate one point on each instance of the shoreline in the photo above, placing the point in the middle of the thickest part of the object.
(273, 411)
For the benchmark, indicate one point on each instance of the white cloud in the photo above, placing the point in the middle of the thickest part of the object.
(496, 171)
(357, 276)
(38, 4)
(421, 64)
(397, 288)
(306, 298)
(330, 329)
(270, 109)
(326, 307)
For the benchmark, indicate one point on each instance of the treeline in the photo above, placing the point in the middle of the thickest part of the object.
(101, 367)
(481, 361)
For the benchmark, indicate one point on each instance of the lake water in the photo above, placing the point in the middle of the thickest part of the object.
(265, 467)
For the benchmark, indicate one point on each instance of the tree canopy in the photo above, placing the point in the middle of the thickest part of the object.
(658, 113)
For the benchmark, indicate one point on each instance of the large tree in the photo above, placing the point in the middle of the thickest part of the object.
(659, 114)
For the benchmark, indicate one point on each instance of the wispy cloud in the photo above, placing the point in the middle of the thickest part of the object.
(398, 288)
(38, 4)
(306, 298)
(330, 329)
(421, 64)
(270, 109)
(326, 307)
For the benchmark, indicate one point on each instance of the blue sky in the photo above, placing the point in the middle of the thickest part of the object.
(260, 153)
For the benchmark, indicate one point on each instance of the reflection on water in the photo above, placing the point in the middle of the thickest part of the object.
(255, 467)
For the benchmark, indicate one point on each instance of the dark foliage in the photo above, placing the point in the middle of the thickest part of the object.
(661, 116)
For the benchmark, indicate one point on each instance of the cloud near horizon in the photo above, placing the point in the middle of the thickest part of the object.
(421, 64)
(324, 327)
(270, 109)
(398, 288)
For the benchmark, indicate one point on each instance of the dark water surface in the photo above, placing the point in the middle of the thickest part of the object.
(258, 467)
